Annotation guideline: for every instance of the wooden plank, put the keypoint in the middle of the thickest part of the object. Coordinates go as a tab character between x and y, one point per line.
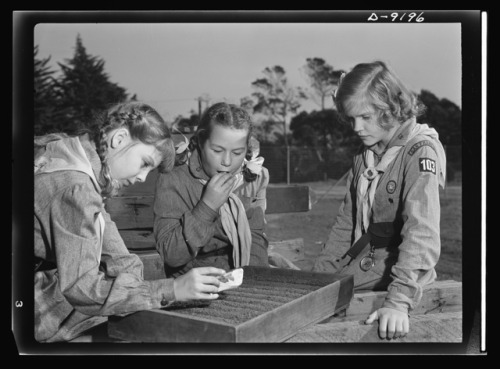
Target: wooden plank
133	208
282	253
281	198
438	297
132	212
156	325
330	293
142	243
426	328
136	212
143	239
153	265
138	239
288	199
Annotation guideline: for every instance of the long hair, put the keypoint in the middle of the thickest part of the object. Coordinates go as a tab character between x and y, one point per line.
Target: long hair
143	123
376	84
225	115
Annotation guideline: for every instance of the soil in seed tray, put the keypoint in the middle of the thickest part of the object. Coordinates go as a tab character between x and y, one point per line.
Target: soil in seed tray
257	295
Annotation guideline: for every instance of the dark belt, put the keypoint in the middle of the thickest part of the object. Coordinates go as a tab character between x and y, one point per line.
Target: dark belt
379	235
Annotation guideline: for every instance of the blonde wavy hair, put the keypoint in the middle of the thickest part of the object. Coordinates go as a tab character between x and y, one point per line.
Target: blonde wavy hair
377	85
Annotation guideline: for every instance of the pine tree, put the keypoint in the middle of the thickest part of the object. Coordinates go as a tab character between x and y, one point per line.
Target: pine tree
48	115
84	87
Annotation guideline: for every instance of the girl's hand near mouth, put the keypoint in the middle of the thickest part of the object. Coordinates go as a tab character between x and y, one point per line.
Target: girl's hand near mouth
218	189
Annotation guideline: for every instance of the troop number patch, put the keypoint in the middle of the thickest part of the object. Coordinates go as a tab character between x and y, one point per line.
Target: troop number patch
427	165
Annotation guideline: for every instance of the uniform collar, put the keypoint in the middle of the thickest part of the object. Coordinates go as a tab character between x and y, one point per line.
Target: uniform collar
196	167
91	152
401	135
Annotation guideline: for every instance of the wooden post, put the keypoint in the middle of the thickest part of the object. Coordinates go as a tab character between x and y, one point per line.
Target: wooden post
287	153
287	164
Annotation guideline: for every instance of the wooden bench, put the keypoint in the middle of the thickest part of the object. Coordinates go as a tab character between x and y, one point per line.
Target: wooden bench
438	318
132	212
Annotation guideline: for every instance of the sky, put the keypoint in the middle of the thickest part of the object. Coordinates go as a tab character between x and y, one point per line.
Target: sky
169	65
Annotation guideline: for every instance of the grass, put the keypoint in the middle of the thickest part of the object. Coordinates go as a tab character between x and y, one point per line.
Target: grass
314	226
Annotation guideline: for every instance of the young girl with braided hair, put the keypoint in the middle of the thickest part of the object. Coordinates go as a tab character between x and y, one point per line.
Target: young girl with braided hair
83	270
210	210
387	230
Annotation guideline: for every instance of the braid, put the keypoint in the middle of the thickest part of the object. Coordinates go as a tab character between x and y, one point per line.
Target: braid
105	179
107	122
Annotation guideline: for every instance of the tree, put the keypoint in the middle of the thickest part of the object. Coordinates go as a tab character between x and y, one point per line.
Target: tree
85	88
322	78
323	129
277	99
48	115
444	116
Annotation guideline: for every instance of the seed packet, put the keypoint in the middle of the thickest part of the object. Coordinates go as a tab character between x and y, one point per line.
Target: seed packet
231	279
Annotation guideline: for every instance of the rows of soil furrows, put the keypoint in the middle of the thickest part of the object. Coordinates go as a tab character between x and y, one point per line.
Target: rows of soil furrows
257	295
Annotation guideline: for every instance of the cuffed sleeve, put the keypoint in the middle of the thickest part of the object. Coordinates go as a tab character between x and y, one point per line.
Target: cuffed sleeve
204	212
162	292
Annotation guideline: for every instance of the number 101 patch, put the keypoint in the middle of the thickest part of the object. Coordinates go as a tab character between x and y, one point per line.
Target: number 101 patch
427	165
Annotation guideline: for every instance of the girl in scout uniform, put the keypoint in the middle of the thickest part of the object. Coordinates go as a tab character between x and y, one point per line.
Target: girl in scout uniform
83	270
210	210
387	230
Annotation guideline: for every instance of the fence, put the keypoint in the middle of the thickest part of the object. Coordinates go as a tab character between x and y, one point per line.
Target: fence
309	164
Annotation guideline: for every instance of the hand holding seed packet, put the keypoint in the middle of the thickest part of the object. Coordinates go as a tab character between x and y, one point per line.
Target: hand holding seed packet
231	279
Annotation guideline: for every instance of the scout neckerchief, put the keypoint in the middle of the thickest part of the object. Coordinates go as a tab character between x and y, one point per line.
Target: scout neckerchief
368	180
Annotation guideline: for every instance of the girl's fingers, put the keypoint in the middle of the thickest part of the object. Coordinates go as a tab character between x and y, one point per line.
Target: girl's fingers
207	280
406	327
399	329
382	328
373	316
391	328
221	178
228	182
207	292
210	296
208	288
